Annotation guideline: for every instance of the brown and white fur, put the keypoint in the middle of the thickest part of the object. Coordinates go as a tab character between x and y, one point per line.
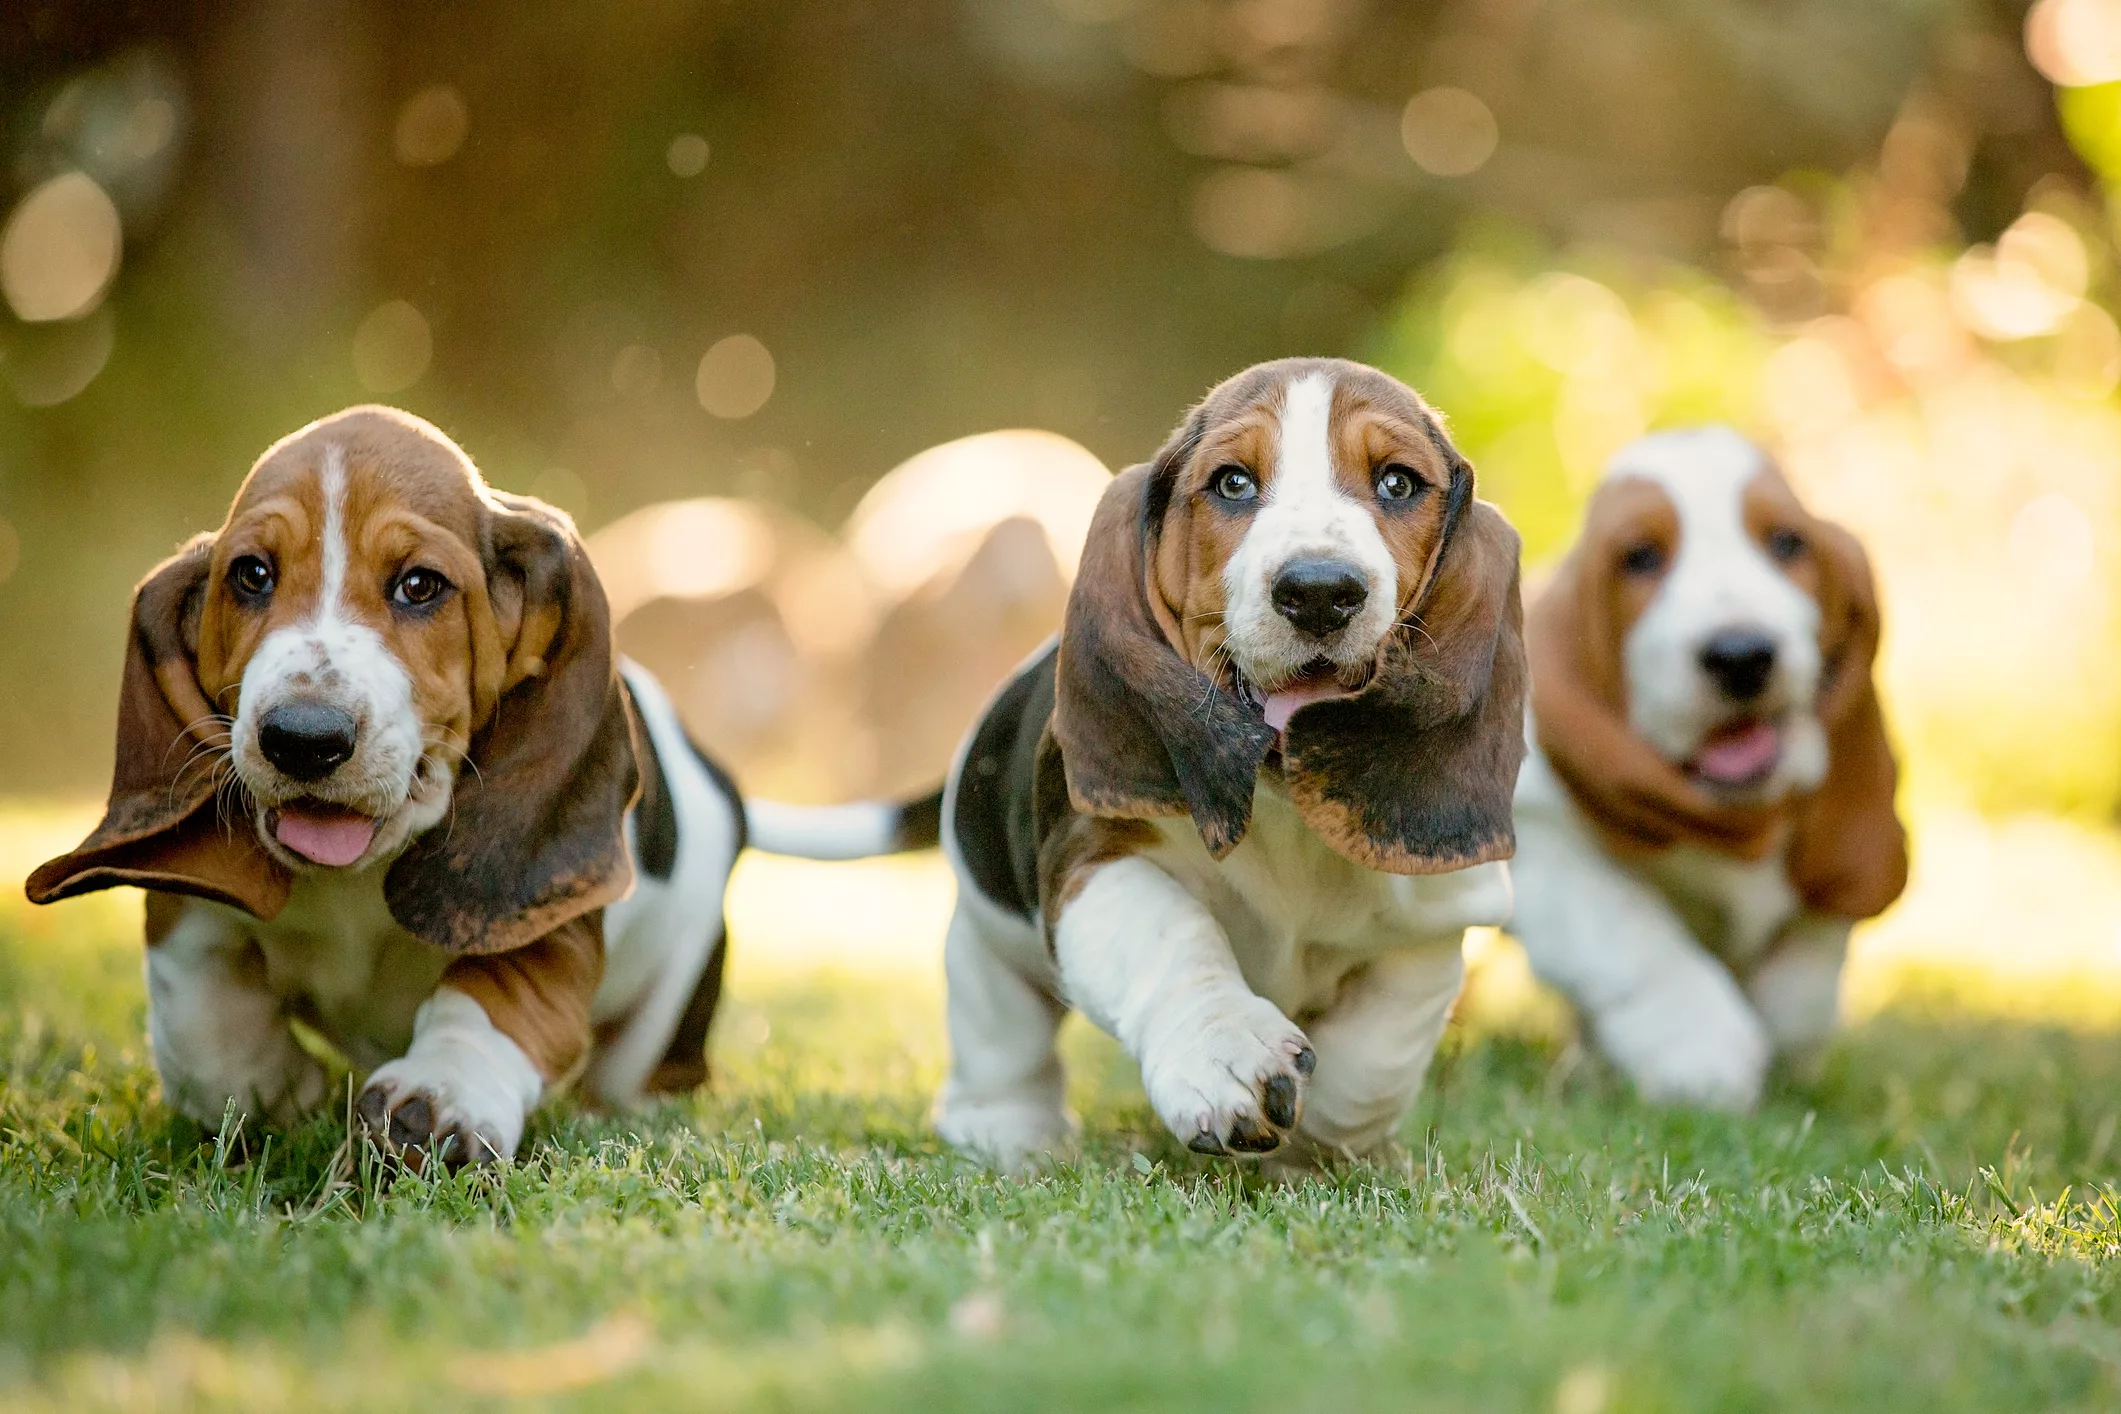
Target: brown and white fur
381	772
1242	812
1708	803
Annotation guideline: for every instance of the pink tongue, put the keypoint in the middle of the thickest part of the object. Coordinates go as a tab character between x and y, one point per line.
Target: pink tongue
1738	756
336	838
1282	705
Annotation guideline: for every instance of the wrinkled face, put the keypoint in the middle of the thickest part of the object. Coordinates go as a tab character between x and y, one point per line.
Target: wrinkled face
337	627
1302	525
1715	587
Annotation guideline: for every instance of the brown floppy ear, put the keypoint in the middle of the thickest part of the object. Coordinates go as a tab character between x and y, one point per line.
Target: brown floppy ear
1142	732
1848	856
160	829
536	833
1636	799
1414	774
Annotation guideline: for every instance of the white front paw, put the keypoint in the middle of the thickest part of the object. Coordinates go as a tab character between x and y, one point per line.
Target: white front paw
461	1094
1229	1078
414	1109
1701	1048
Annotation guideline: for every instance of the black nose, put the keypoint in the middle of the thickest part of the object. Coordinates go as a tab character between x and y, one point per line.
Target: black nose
1319	596
306	740
1740	660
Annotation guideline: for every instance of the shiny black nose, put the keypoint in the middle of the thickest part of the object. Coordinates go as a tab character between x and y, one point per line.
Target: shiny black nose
1740	660
1319	596
306	740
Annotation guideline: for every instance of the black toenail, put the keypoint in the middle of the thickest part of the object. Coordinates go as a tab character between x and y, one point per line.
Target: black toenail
1205	1142
1306	1062
413	1123
1281	1101
374	1111
1249	1136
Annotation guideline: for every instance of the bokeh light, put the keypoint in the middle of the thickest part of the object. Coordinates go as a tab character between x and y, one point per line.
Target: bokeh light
687	155
59	250
392	347
431	126
735	377
1448	132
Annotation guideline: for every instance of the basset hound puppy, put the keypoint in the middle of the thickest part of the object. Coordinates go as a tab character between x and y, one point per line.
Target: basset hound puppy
381	773
1708	803
1242	812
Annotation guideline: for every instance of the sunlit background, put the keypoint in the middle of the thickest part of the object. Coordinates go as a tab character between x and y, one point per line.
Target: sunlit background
827	319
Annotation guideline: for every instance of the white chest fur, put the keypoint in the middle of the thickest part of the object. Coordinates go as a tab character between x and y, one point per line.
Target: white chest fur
341	961
1300	917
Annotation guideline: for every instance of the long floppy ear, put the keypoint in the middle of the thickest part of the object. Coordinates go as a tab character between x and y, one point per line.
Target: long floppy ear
161	829
1414	774
1849	853
1142	732
1637	800
536	833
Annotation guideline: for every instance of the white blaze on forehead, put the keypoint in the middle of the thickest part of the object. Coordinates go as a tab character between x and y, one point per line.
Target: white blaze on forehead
1305	513
1719	579
333	479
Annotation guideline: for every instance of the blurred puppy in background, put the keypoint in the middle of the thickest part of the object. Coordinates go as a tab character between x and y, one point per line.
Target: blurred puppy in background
382	773
1708	803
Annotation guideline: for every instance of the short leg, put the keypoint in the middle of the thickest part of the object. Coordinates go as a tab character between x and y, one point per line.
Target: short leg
1797	988
1003	1099
219	1032
498	1035
1144	959
1668	1014
1374	1046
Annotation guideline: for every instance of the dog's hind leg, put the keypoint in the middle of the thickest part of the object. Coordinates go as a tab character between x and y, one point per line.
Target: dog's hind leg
1004	1098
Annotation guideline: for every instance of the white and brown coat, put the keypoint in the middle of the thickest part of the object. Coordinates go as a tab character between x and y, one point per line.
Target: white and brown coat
1242	812
1708	804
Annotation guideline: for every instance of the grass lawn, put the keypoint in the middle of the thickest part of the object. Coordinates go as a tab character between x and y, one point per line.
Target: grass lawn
1928	1227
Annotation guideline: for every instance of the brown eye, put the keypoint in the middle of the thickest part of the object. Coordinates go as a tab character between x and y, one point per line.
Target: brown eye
1395	483
1643	560
251	577
418	588
1785	546
1234	483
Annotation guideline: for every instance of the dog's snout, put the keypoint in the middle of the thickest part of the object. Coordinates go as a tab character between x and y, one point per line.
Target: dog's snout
1740	661
1319	596
307	741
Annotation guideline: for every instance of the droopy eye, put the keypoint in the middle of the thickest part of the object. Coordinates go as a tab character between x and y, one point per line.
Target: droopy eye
250	576
1785	546
417	587
1395	483
1234	483
1643	559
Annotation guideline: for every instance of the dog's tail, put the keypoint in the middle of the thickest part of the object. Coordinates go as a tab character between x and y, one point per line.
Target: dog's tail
858	831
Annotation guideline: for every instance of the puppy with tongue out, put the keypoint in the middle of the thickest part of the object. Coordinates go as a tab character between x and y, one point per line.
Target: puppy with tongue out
1243	812
376	761
1708	805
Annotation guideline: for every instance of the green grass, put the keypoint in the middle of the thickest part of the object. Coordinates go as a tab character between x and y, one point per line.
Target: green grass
1928	1227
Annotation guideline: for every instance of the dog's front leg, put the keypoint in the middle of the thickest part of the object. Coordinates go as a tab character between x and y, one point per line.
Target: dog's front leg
1666	1012
1797	988
1146	961
1375	1043
218	1030
499	1034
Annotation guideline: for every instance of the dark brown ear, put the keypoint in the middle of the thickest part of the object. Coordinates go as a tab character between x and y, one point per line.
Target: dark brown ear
1142	732
1414	774
1849	853
161	829
536	833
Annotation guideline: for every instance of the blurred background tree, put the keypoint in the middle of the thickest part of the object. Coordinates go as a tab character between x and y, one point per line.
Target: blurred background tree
670	249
